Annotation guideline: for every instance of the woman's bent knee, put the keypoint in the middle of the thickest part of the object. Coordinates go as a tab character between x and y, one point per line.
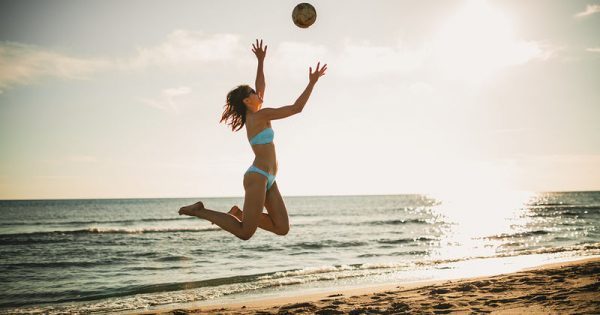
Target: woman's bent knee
246	234
245	237
283	231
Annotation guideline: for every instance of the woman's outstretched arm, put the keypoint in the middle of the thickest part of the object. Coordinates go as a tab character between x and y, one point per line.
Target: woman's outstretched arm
286	111
260	53
313	77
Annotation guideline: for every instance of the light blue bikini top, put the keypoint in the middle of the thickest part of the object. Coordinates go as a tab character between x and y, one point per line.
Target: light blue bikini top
263	137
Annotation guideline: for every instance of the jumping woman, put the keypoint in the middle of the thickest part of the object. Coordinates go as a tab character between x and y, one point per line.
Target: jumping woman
244	108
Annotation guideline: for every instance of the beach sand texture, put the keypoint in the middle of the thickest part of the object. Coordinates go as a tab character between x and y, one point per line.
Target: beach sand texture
565	288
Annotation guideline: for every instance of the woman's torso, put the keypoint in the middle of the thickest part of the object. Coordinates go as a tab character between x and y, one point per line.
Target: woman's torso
264	154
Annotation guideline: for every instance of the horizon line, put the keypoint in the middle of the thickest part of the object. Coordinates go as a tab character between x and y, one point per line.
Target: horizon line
294	196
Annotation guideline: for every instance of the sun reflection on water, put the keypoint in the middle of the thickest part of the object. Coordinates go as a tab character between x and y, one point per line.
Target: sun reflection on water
474	221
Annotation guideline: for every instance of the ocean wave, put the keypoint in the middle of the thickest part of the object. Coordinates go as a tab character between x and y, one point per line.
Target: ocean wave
586	249
553	214
548	204
516	235
27	239
592	248
397	222
326	272
173	258
306	271
263	248
66	223
140	296
562	207
411	253
405	240
61	264
104	230
561	214
367	255
327	243
82	295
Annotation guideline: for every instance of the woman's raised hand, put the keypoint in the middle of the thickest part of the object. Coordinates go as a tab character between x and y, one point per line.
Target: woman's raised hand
313	77
258	50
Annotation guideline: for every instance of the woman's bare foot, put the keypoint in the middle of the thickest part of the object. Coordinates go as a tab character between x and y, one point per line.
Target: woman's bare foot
192	210
236	212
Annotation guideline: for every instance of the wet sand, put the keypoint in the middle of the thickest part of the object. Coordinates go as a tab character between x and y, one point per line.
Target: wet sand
563	288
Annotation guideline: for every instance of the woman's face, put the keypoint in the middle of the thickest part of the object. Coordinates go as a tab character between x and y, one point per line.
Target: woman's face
253	101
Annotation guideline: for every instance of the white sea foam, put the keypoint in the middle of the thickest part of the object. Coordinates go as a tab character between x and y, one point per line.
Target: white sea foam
138	230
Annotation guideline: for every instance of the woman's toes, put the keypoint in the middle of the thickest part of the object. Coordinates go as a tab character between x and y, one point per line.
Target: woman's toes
192	209
185	210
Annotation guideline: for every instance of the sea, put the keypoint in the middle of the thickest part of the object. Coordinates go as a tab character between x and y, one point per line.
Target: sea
132	255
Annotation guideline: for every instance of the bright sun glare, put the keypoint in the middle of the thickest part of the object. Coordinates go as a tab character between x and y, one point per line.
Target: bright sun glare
477	41
479	213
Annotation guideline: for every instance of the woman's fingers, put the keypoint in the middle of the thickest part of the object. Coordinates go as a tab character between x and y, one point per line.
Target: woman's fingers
320	69
257	47
324	68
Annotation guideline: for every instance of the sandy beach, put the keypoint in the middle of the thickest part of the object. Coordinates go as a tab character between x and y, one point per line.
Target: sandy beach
562	288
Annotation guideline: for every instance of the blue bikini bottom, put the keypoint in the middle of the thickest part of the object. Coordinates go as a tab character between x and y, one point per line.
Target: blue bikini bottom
270	178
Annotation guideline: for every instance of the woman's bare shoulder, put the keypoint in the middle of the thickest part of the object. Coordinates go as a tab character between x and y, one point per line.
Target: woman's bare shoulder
258	119
255	123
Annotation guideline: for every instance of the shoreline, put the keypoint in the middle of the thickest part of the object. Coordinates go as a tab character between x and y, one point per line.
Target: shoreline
563	287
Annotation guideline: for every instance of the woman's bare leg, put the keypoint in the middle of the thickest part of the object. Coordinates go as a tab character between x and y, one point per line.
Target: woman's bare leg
254	200
223	220
276	221
277	211
264	221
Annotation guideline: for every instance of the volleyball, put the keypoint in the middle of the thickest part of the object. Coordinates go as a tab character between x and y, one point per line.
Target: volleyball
304	15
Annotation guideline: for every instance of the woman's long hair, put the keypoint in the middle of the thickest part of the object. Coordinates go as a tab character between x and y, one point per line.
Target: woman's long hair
235	110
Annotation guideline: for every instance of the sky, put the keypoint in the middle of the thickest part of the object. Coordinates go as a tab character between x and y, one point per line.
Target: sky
122	99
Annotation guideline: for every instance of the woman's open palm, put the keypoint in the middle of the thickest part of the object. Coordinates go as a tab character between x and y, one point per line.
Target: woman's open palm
258	50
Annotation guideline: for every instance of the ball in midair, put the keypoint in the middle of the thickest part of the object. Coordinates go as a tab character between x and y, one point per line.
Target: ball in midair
304	15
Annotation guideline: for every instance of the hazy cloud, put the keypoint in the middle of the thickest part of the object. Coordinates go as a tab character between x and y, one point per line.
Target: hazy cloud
593	49
25	64
185	47
177	91
166	101
589	10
